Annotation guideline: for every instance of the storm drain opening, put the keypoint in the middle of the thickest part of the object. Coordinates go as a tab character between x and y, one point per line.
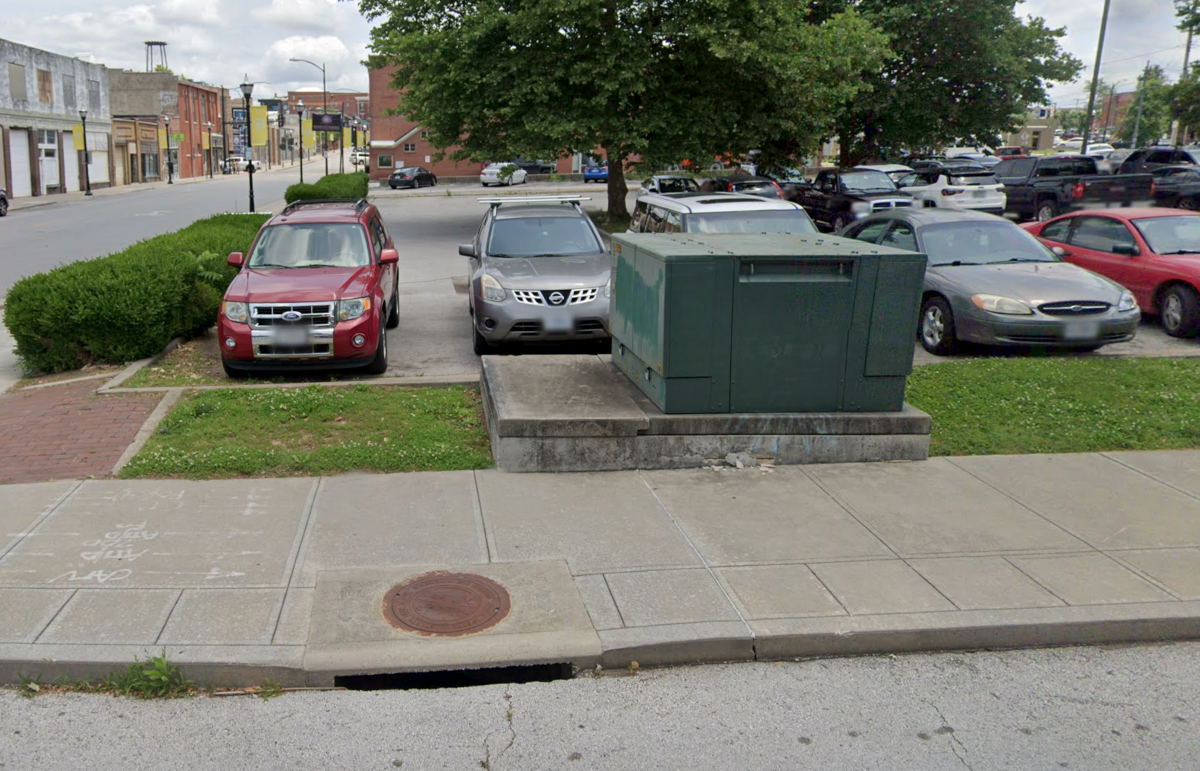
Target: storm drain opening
456	678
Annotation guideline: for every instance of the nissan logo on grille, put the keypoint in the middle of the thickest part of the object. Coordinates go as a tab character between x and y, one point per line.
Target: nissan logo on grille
292	316
556	298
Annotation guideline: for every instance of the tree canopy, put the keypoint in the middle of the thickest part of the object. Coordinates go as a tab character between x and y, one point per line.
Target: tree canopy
663	80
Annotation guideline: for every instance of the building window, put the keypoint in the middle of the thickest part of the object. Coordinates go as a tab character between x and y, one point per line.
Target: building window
93	95
385	161
16	82
69	92
45	86
410	147
424	135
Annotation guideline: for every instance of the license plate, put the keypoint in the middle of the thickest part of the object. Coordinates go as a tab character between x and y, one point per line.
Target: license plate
1081	330
291	336
979	193
555	324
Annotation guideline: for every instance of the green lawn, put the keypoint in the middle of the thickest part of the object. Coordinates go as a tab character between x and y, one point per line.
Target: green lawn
316	430
1037	405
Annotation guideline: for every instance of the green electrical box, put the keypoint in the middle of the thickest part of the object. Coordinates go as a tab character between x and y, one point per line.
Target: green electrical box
764	323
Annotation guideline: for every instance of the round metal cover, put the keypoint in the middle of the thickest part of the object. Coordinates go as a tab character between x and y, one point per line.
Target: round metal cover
446	604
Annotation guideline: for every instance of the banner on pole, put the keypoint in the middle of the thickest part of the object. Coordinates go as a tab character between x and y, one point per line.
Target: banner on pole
258	125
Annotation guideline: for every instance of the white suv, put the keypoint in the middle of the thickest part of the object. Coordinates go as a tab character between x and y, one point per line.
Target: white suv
717	213
956	188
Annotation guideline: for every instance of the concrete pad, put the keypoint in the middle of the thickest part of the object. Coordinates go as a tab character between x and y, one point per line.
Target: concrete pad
675	644
1176	569
223	617
547	623
1089	579
165	533
596	522
372	520
28	611
294	619
598	600
1178	468
658	597
112	617
558	396
779	591
983	583
882	586
1095	498
750	517
937	508
23	504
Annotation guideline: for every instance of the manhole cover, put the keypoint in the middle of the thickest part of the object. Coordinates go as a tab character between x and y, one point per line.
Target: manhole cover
446	604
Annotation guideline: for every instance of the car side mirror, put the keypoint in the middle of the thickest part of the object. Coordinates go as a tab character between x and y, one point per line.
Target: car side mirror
1058	250
389	257
466	250
235	259
1129	250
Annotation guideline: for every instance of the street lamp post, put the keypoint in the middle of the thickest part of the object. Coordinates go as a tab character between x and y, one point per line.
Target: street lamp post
247	88
170	163
87	177
300	105
324	109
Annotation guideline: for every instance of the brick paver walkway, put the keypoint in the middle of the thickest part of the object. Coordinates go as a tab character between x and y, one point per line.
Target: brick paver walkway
67	432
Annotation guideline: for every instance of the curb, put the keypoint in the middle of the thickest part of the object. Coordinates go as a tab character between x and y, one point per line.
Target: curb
147	430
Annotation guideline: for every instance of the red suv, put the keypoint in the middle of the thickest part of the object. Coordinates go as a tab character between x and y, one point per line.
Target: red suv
317	292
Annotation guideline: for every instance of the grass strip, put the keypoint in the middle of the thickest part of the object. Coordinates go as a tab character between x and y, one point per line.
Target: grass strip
316	430
1049	405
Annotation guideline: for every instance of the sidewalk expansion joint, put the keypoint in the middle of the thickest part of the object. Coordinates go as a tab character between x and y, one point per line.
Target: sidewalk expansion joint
42	518
1150	476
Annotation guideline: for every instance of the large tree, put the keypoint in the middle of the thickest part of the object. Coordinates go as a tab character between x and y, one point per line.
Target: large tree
962	69
1150	113
662	80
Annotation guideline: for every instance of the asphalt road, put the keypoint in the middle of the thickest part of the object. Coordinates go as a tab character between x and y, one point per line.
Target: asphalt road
1098	708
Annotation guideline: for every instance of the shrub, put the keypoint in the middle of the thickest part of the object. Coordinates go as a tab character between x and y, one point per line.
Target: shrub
130	304
353	185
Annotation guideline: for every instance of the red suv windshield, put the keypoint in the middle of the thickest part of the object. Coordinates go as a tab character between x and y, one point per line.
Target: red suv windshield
311	245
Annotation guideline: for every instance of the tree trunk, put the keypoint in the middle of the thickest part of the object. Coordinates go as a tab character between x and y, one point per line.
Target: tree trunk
617	188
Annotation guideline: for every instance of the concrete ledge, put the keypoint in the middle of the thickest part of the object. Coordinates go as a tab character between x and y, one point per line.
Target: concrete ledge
672	644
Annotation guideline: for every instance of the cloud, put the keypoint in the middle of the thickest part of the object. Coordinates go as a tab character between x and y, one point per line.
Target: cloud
191	13
300	15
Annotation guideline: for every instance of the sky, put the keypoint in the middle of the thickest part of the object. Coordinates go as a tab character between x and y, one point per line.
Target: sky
221	41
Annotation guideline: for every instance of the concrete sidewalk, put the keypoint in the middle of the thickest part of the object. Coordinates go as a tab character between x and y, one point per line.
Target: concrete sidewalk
245	580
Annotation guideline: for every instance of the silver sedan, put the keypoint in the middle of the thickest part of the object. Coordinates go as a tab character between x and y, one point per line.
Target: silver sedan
990	282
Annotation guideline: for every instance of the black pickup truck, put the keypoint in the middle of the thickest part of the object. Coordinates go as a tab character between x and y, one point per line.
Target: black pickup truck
838	197
1041	188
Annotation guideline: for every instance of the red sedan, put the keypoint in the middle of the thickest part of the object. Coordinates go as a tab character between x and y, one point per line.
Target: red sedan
1154	253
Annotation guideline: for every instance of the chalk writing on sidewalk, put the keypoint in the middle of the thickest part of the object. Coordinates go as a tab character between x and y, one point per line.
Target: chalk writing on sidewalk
95	576
119	544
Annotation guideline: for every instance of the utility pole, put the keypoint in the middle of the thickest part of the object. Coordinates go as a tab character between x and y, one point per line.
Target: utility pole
1137	121
1087	129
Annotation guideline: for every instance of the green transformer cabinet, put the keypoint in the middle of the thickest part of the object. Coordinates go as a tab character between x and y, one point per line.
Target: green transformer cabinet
764	323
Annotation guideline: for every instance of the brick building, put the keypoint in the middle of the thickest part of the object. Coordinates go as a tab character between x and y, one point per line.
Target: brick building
190	111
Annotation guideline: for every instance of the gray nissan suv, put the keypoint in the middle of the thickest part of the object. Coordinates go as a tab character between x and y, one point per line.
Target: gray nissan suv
539	273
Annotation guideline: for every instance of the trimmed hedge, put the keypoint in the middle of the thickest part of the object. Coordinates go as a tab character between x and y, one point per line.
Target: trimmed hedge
130	304
353	185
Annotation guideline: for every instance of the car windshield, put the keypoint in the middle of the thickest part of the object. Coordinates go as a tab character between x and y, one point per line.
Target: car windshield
542	237
1171	235
981	243
311	245
867	182
776	221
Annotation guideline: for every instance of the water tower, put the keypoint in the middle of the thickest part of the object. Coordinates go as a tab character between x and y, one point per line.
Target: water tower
156	49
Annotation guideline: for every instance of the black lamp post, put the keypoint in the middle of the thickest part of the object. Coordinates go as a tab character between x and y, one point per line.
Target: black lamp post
170	163
300	105
324	109
247	88
87	177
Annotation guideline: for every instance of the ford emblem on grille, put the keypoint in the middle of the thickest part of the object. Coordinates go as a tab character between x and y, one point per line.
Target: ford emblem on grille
292	315
556	298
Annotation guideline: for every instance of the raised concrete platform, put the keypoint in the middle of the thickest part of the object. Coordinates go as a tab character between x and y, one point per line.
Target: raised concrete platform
579	413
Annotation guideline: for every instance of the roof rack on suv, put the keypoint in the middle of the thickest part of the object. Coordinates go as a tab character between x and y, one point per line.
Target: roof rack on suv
571	199
359	203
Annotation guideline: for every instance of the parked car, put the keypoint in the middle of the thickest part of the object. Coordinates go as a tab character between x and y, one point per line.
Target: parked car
412	176
1072	145
759	186
989	282
317	291
1042	187
534	167
3	202
596	173
893	170
496	174
955	188
1099	149
984	160
702	212
961	162
1113	160
839	196
1013	151
539	272
1155	253
1150	158
359	157
790	181
668	183
241	164
1177	186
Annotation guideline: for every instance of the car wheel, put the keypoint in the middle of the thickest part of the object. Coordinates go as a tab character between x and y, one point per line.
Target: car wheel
1180	311
937	327
230	372
433	182
479	344
392	186
1046	209
839	222
484	184
3	206
1191	204
379	364
393	319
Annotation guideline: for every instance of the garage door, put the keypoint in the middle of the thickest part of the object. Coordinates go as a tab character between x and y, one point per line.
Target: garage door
18	151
